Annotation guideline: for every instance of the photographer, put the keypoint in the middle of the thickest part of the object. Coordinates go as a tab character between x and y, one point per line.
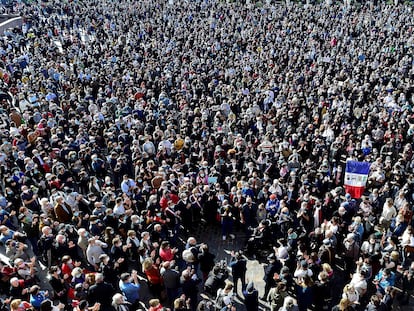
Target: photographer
216	278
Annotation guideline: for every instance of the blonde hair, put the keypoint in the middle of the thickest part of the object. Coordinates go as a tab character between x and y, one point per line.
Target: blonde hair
14	305
179	303
327	267
344	304
147	264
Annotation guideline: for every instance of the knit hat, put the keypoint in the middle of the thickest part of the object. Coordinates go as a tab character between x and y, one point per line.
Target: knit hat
250	287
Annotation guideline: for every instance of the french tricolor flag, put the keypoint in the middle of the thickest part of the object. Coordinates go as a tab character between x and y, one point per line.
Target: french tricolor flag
356	176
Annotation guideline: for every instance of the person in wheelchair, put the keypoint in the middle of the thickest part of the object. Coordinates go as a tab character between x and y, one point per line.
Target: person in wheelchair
260	239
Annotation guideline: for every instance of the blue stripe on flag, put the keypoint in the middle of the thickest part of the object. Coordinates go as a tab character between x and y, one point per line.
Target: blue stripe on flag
357	167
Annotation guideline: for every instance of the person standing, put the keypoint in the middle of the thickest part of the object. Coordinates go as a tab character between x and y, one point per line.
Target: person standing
94	251
248	214
206	260
101	292
276	296
351	253
63	211
238	267
251	298
273	267
129	286
171	280
227	219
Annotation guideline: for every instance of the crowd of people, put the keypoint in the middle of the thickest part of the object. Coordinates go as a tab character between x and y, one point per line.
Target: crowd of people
131	124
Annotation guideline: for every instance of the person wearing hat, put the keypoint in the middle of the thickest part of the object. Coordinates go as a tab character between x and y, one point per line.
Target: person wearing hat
326	252
251	297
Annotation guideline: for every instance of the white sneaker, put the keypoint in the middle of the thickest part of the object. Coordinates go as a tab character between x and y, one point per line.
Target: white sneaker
224	237
232	236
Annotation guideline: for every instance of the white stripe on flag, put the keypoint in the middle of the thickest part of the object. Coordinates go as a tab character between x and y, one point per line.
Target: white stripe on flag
355	180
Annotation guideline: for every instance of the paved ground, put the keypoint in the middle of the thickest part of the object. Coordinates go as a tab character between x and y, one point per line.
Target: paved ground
212	236
255	270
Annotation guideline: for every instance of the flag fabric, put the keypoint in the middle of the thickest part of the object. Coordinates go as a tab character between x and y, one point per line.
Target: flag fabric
356	176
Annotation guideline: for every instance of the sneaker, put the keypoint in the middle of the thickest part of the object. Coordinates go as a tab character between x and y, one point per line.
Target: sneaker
232	236
224	237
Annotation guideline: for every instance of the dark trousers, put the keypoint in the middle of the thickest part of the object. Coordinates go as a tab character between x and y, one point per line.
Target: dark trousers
236	279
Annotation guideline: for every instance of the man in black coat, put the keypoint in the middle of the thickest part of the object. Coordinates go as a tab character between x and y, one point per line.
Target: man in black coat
273	267
101	292
238	269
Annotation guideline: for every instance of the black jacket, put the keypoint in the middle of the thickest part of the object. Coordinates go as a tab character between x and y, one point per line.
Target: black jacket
102	293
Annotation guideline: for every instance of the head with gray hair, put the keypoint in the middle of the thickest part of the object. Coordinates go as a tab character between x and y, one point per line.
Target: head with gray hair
117	299
99	278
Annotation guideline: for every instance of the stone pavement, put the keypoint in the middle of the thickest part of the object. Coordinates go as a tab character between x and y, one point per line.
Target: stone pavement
255	270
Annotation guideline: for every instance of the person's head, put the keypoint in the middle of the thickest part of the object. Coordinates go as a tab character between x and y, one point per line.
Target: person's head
34	290
179	303
228	287
132	234
386	273
344	304
191	241
46	305
99	278
145	235
83	305
66	259
54	270
250	287
118	299
289	303
19	263
375	300
165	244
4	230
117	242
281	286
125	277
147	264
14	282
154	303
323	276
76	272
18	305
157	227
349	288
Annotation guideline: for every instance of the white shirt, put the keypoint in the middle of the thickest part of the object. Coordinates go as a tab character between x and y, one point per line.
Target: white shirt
300	273
119	210
388	212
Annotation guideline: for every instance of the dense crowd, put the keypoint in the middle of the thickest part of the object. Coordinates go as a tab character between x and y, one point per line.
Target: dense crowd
135	123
